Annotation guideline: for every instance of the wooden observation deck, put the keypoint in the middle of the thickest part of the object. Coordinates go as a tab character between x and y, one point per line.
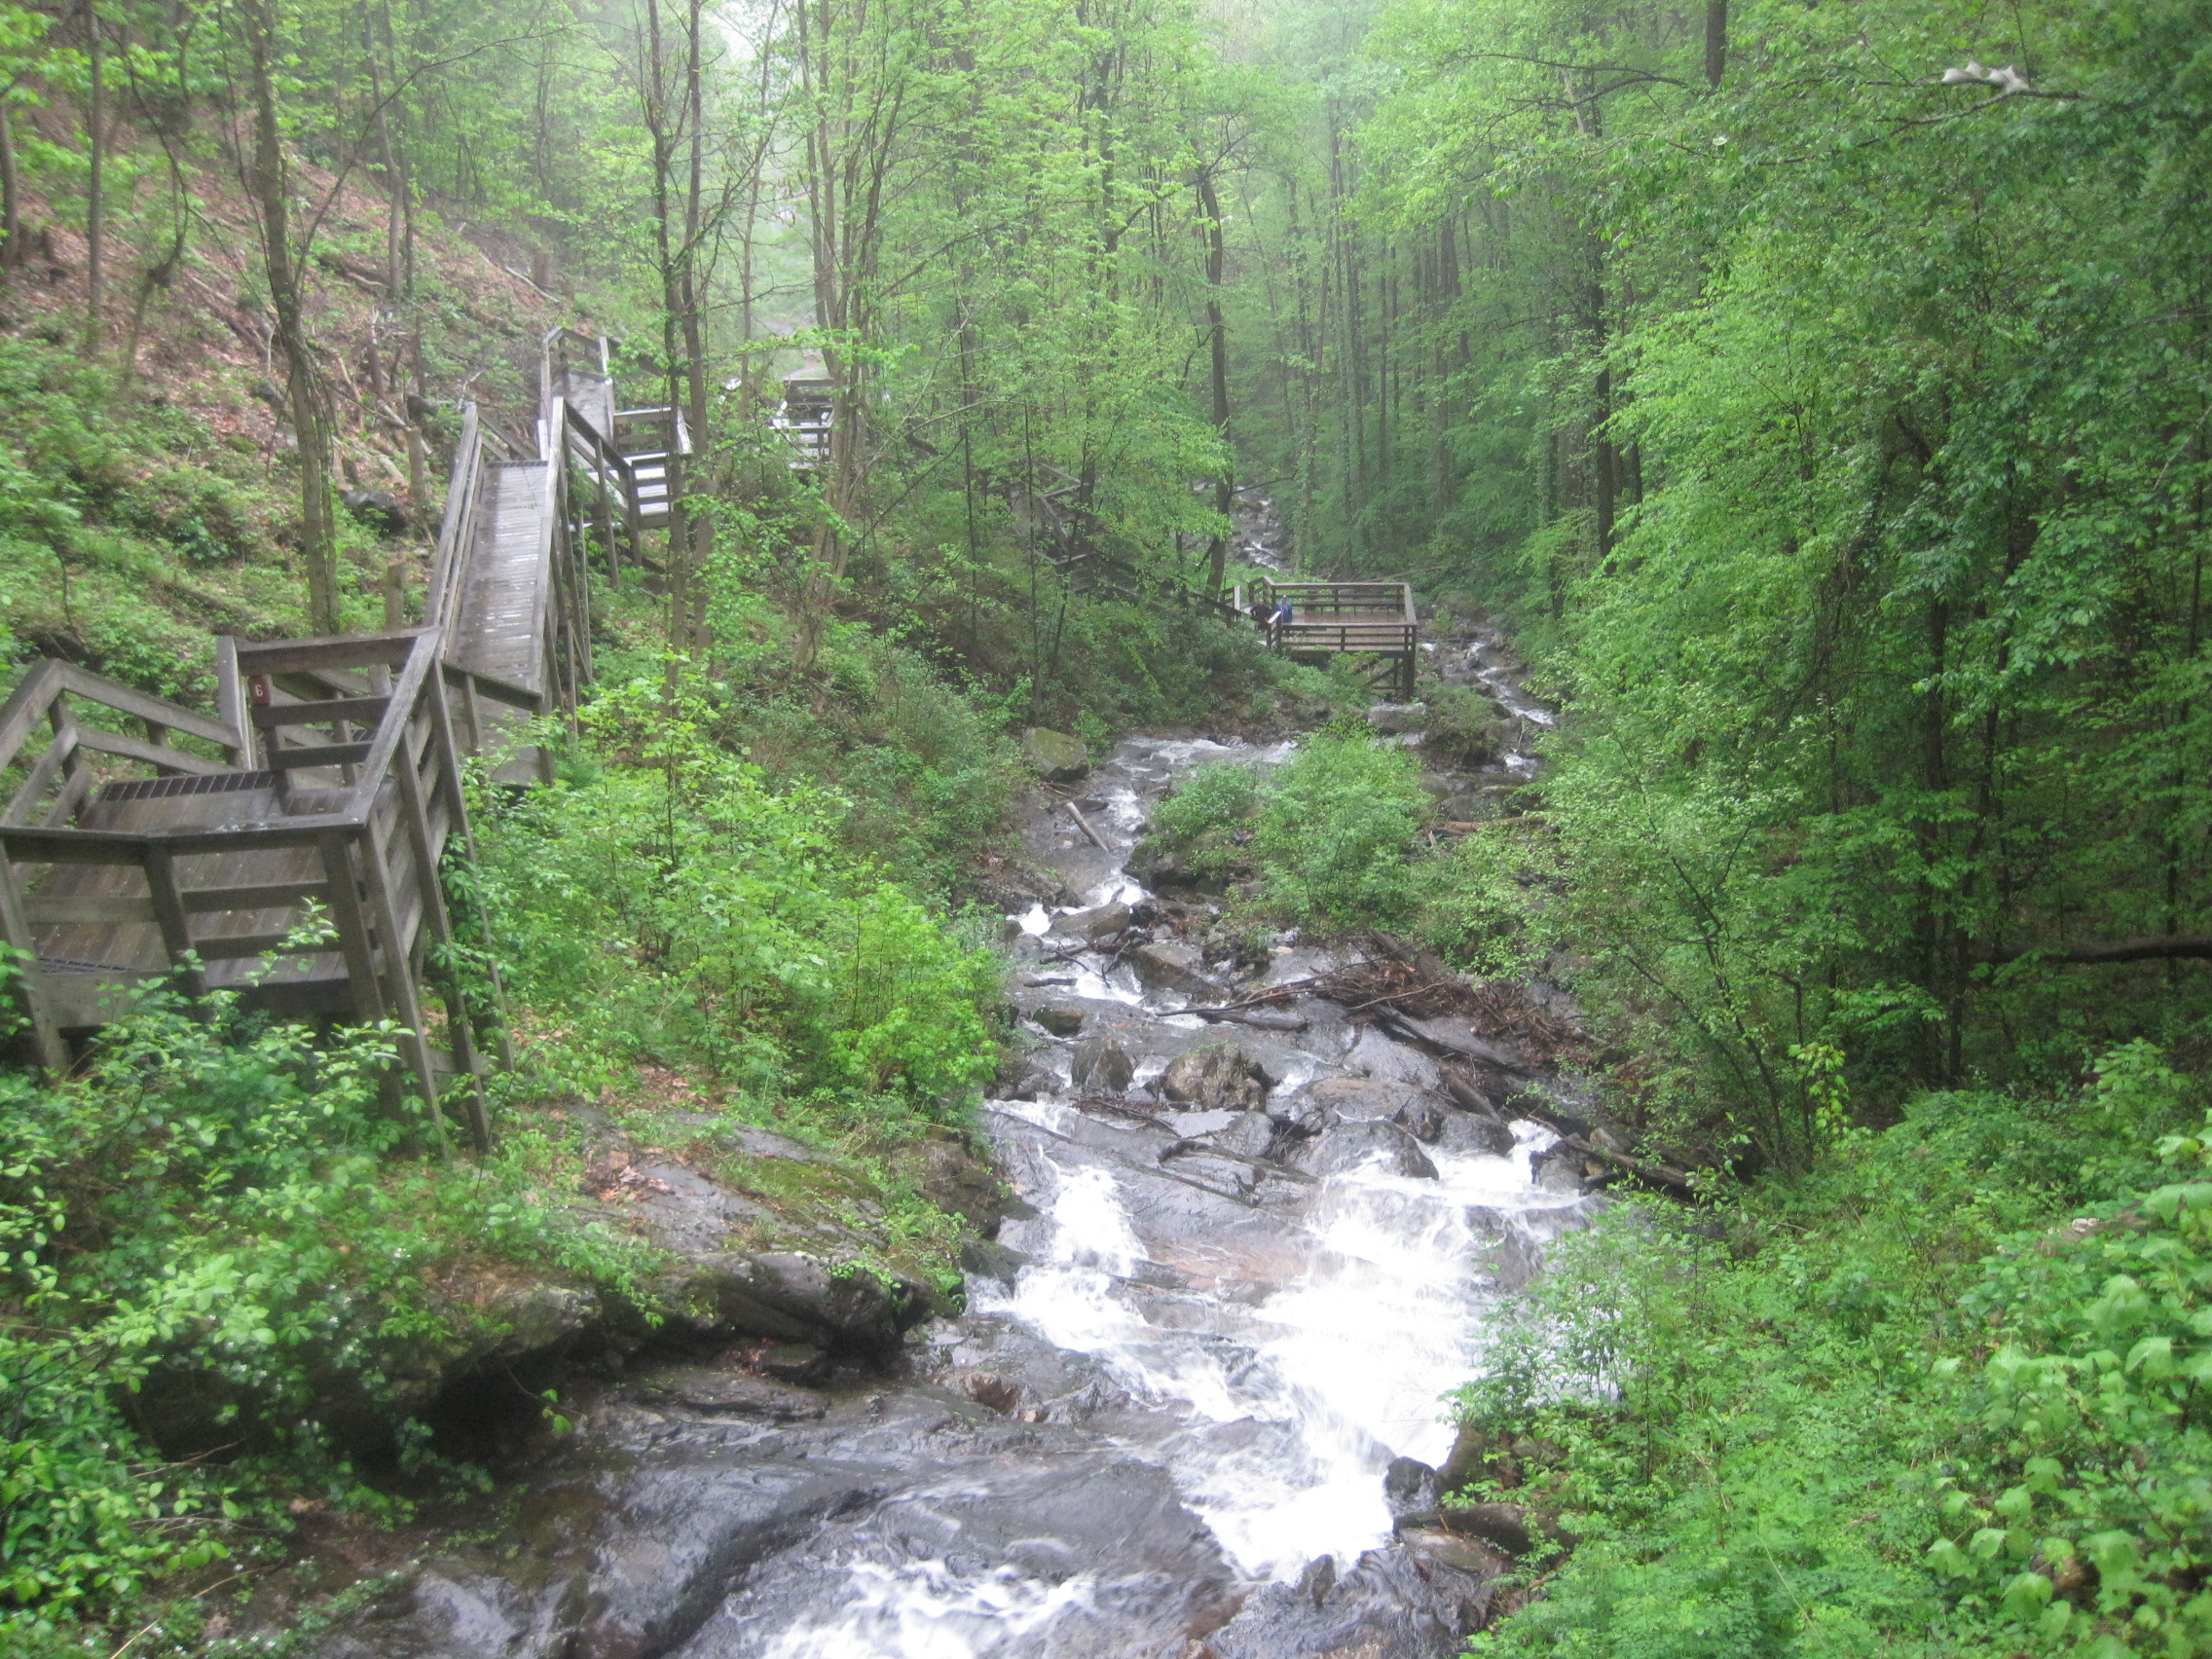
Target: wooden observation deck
1371	621
288	849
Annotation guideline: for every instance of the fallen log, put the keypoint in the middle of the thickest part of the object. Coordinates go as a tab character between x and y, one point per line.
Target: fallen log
2160	947
1438	1037
1675	1183
1084	824
1259	1018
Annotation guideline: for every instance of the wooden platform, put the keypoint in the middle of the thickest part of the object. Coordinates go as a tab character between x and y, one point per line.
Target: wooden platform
298	871
1356	620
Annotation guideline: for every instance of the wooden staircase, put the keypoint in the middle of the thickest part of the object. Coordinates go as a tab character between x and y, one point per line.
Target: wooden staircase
289	850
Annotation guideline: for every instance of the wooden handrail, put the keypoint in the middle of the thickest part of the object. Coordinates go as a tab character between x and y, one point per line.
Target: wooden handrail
453	524
30	699
599	445
393	727
333	650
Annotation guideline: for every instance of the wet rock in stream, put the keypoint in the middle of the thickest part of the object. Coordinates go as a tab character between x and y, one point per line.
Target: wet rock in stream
1175	966
1103	1067
1393	1603
1221	1075
1348	1146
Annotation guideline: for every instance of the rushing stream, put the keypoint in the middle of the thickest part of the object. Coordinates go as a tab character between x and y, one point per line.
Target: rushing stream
1194	1406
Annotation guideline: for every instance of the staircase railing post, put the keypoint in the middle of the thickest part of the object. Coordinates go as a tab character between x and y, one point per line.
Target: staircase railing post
46	1036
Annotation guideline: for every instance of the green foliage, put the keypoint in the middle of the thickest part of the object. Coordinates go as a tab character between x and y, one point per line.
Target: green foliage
1329	834
1820	430
1908	1404
669	904
206	1241
1464	726
925	772
1483	897
1208	818
122	526
1335	829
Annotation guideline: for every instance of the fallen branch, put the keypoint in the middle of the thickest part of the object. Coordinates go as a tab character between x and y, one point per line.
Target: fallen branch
1675	1183
1084	824
1256	1018
2161	947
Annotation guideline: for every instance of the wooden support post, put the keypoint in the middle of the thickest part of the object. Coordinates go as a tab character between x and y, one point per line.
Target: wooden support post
607	522
449	777
440	926
471	707
170	917
353	924
395	597
46	1038
383	909
230	700
76	780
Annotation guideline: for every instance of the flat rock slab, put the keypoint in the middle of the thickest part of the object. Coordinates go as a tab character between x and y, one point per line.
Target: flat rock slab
1348	1146
718	1391
1394	1604
1171	965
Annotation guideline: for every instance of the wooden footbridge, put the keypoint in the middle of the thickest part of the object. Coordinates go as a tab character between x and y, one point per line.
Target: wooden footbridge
288	849
1373	622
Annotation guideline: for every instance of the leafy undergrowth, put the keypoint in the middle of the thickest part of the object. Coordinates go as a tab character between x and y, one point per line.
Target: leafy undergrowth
665	903
145	503
219	1270
226	1274
1944	1396
1333	841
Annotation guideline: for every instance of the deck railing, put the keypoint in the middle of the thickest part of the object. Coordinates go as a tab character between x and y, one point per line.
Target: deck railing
289	849
1369	619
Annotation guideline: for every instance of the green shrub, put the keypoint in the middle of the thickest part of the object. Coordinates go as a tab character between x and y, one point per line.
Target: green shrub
1208	820
1464	727
667	904
222	1204
1907	1405
1336	829
1481	897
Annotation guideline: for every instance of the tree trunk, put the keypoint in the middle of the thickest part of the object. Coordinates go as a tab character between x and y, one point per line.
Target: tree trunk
270	185
10	194
1217	347
1715	42
96	196
698	523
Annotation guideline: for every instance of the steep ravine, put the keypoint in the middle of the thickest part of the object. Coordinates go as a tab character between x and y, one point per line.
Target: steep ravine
1192	1407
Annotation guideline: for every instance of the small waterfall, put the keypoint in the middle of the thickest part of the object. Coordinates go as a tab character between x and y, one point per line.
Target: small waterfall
1335	1362
1206	1330
930	1609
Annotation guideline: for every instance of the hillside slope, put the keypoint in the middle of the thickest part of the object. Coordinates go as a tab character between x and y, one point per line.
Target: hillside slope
149	494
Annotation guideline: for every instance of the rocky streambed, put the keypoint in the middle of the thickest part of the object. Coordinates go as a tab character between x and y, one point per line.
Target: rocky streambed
1193	1406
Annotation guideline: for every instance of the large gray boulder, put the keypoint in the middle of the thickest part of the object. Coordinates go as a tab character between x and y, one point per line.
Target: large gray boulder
1249	1134
1221	1077
1090	926
1348	1146
1394	1604
1102	1066
1171	965
1396	718
793	1297
1473	1133
1055	757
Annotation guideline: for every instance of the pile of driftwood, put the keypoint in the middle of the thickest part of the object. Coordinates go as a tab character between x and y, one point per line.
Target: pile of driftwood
1492	1039
1394	980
